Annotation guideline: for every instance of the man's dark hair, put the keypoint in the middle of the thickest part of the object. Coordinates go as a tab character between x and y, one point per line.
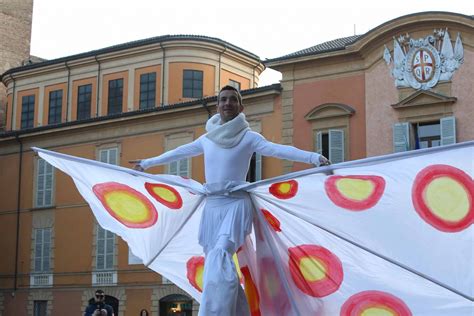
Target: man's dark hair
227	87
99	291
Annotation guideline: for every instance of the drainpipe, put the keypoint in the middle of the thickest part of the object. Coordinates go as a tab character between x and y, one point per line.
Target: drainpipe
163	79
15	286
13	103
68	85
98	87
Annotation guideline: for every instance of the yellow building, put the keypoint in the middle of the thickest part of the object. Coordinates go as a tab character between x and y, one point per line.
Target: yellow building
128	101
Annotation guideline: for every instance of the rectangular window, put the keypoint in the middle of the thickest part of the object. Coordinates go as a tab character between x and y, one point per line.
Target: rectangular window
109	155
40	308
42	250
55	106
192	83
147	90
84	101
27	111
331	144
234	84
179	168
105	249
418	135
115	100
44	184
427	134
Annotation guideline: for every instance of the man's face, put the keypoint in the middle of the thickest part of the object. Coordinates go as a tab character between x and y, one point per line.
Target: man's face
228	105
99	297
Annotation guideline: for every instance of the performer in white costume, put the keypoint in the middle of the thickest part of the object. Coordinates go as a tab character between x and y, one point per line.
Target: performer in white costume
228	147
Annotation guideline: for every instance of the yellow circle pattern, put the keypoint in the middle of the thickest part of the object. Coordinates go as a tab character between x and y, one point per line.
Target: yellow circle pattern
127	206
355	189
447	199
312	269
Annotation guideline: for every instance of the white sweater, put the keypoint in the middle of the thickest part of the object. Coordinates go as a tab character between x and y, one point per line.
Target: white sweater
231	164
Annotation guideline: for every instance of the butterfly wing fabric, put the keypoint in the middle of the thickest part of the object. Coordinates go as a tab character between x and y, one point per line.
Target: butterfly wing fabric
387	235
158	216
394	234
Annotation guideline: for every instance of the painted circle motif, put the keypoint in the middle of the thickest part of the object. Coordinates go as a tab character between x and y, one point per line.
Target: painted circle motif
284	190
374	303
195	271
443	197
355	192
315	270
251	292
272	291
271	220
165	194
423	65
125	204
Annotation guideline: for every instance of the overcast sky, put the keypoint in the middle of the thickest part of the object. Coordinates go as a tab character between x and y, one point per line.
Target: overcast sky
266	28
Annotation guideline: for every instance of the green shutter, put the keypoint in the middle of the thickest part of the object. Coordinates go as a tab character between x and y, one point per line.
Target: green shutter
448	130
336	145
401	137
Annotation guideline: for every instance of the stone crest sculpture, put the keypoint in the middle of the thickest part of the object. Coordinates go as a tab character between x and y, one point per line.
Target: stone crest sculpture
422	63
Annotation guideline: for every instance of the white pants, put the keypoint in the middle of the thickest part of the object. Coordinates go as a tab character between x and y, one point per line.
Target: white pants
222	294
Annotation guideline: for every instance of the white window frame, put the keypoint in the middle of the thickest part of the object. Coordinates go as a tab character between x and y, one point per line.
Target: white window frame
109	155
332	150
44	171
174	168
39	254
108	236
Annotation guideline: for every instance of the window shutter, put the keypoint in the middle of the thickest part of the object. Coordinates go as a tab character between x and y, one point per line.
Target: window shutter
448	130
319	143
401	137
258	167
184	167
173	168
336	145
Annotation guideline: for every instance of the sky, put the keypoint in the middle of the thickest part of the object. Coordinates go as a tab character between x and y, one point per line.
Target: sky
266	28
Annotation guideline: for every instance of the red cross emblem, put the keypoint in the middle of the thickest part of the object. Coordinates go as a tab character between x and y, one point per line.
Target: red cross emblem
423	65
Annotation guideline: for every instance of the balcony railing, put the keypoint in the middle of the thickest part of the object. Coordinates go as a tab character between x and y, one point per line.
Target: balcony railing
41	280
104	277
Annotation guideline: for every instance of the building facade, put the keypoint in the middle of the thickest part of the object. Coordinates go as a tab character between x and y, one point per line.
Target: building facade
129	101
404	85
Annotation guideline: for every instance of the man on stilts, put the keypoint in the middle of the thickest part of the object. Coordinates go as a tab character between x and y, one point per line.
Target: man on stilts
227	217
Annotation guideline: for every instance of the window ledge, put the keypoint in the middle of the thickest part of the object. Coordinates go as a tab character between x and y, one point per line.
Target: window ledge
41	279
104	277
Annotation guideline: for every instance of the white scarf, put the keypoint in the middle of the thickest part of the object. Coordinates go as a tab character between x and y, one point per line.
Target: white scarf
230	133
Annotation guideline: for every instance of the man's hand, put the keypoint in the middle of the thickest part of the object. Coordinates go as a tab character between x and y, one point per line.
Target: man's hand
137	164
323	161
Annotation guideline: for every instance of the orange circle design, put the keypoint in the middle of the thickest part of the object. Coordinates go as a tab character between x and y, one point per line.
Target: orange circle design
274	297
125	204
165	194
251	292
195	271
374	187
284	190
429	178
272	220
315	270
369	302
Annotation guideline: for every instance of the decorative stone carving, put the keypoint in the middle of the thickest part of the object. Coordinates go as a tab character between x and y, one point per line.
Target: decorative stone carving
421	63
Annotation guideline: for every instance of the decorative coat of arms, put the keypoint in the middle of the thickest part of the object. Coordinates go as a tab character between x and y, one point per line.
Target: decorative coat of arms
421	63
